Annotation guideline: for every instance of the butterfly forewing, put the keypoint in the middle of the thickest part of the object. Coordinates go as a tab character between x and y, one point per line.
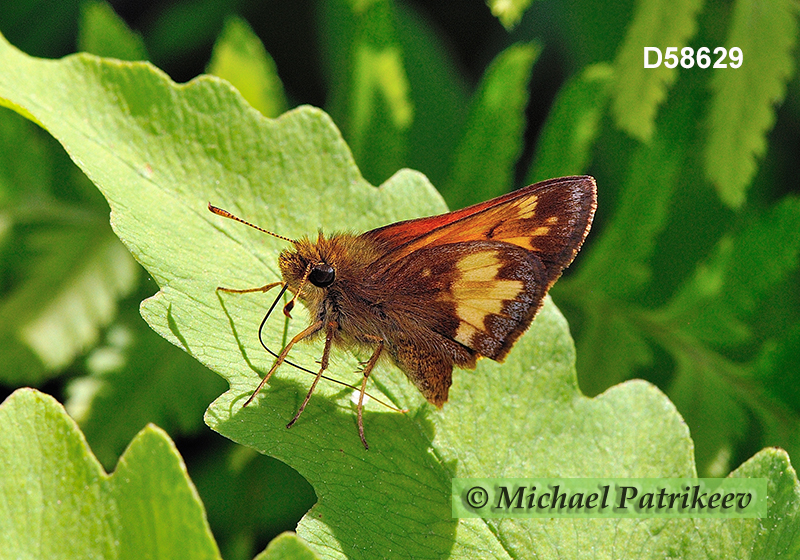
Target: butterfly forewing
550	218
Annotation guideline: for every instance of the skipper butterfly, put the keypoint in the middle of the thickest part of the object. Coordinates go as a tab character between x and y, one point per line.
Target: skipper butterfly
436	292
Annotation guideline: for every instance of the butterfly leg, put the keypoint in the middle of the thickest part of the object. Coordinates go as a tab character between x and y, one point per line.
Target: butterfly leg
323	365
282	356
367	370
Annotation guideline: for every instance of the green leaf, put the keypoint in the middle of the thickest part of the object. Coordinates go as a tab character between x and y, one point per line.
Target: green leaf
239	57
547	429
59	503
743	108
703	391
26	165
136	377
638	91
100	272
509	12
158	152
618	265
614	275
777	535
104	33
769	245
287	546
776	367
721	403
710	311
484	162
698	307
565	143
775	370
742	271
437	92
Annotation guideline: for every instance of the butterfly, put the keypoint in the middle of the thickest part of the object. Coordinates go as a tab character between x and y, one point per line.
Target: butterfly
434	293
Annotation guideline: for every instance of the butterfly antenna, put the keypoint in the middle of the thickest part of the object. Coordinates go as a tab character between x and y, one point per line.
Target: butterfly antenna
226	214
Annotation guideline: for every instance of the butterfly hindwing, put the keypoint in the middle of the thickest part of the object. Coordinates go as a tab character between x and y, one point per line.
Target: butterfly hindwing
468	299
480	294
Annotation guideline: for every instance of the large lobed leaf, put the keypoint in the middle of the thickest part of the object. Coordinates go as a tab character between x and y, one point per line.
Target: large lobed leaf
160	151
58	502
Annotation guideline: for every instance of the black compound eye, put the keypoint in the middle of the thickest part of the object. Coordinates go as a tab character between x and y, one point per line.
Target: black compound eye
322	275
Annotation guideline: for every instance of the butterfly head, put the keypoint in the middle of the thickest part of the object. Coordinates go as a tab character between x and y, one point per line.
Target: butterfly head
310	268
326	267
304	263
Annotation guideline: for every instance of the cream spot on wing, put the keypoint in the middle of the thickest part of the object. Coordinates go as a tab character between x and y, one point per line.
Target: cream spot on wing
551	220
481	267
497	290
472	315
483	306
465	333
526	207
541	230
478	293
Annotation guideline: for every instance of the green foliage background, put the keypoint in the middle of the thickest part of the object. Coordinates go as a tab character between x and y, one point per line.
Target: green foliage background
689	278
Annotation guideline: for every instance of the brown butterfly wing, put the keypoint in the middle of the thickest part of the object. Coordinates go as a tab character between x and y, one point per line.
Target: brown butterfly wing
471	281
